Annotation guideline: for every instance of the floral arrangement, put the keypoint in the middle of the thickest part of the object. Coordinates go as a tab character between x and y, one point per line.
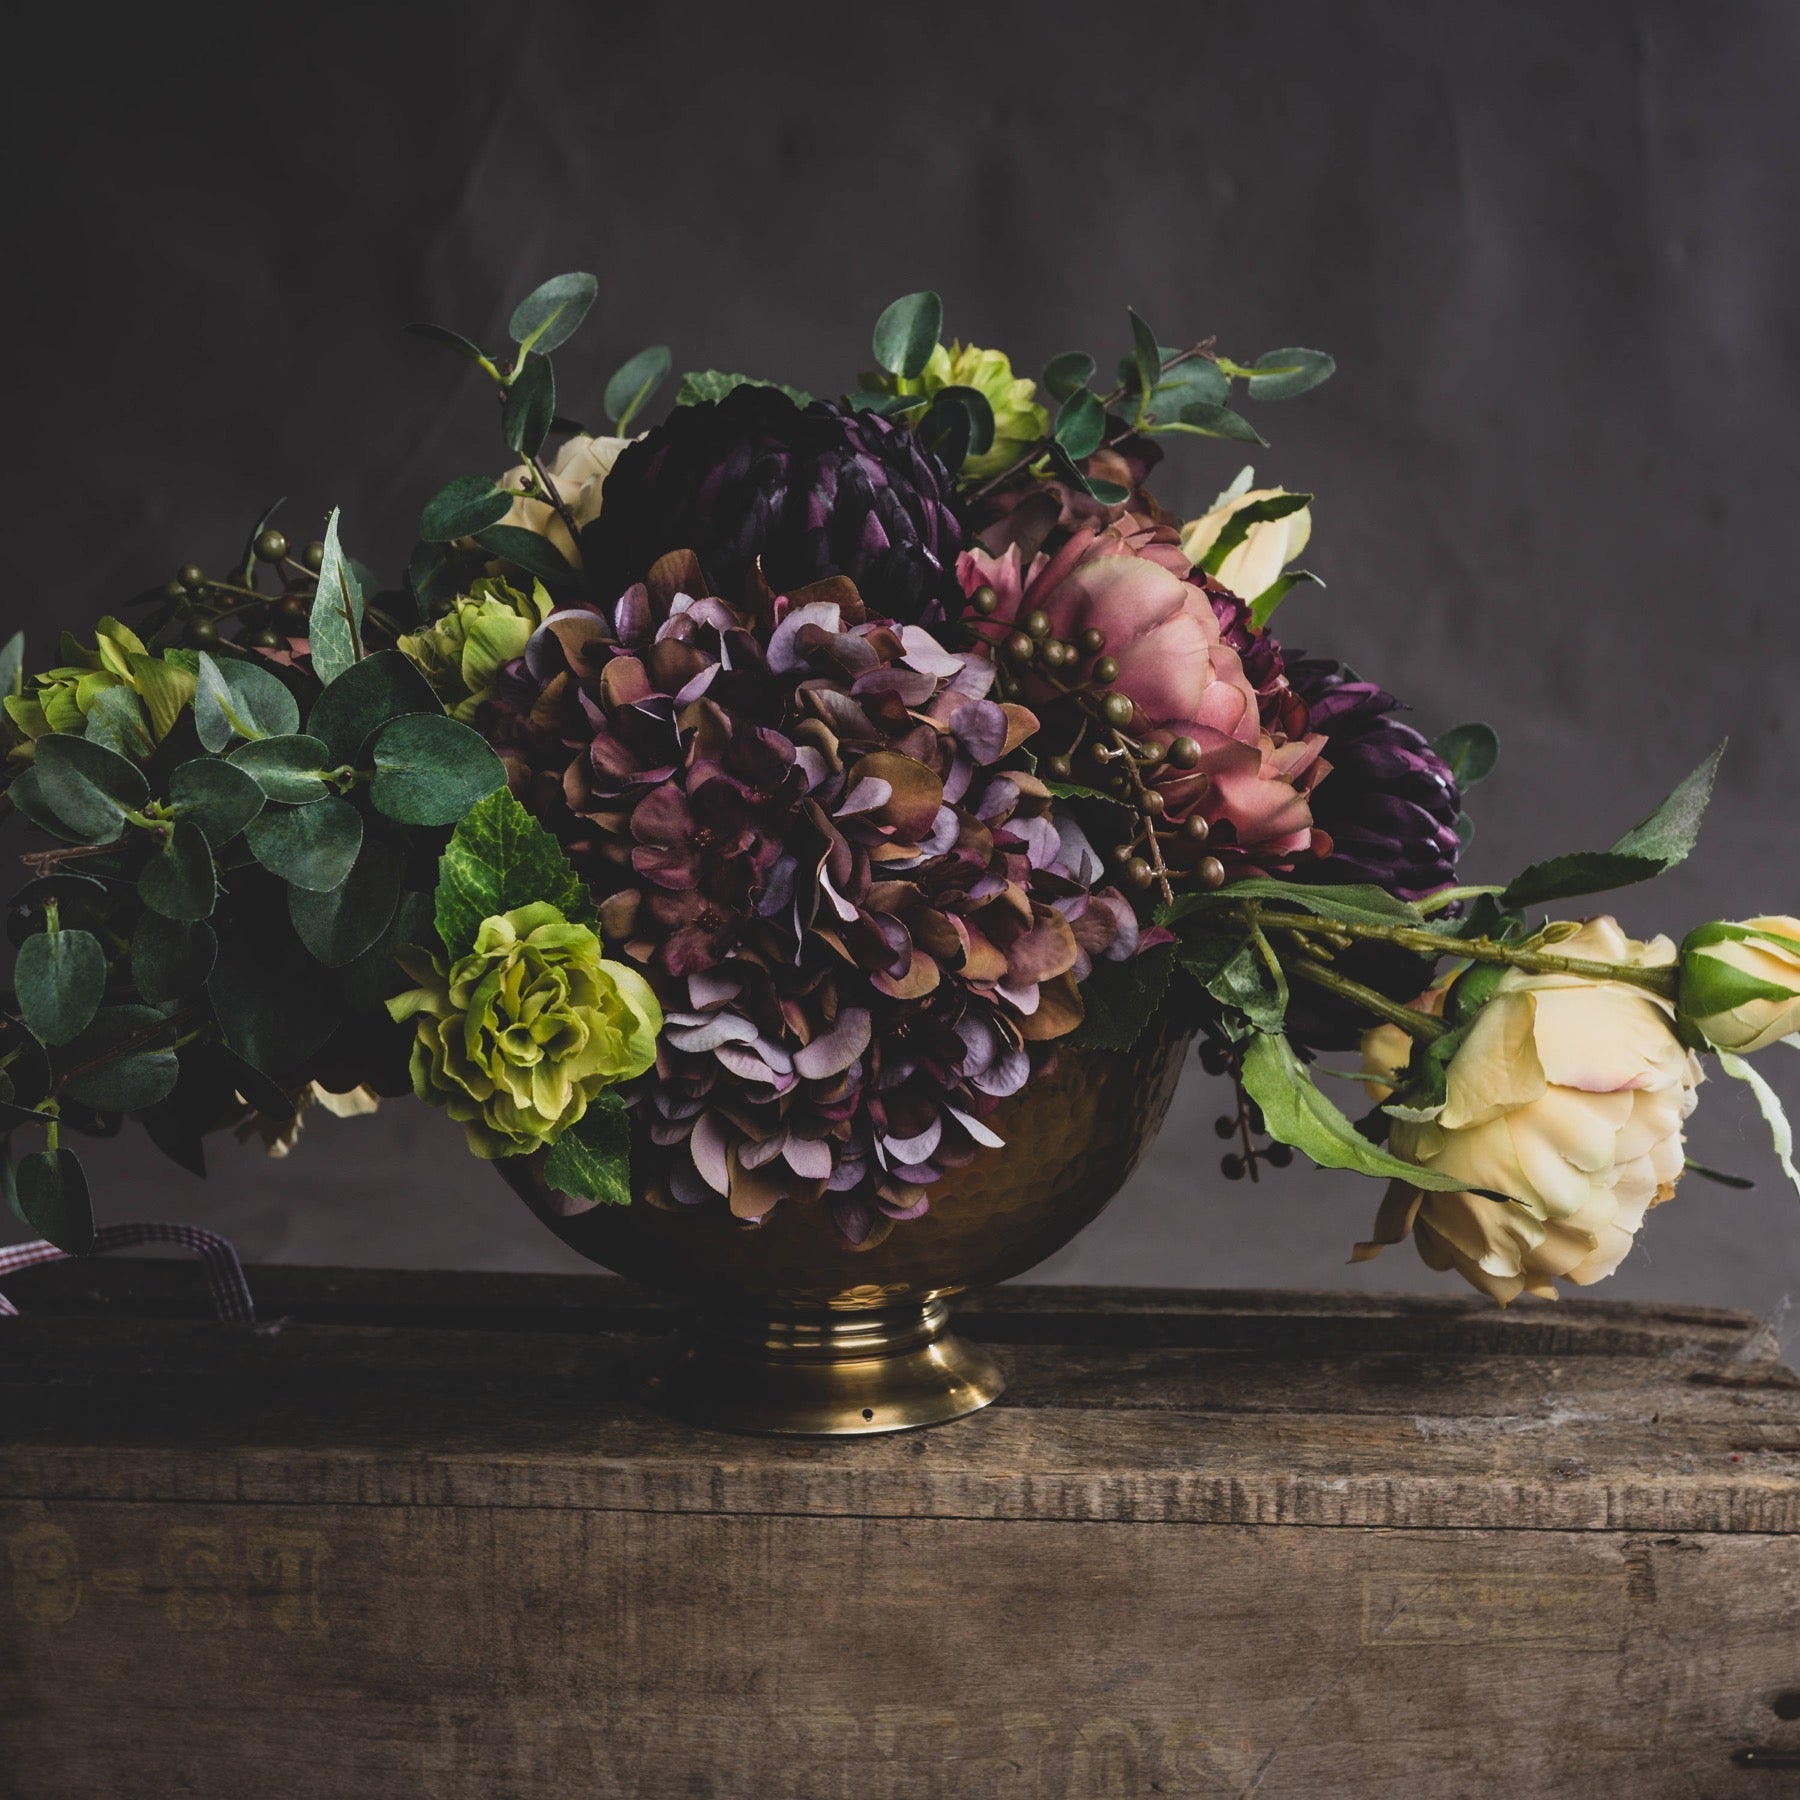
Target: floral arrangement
735	811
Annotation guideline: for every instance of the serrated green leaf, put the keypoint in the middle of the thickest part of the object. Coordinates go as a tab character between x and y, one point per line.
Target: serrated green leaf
313	846
462	507
290	769
381	687
179	880
1120	998
234	698
530	406
551	313
171	958
219	798
117	1064
1066	372
1471	751
1295	1112
499	858
1246	984
1080	424
59	978
335	625
632	383
1281	374
86	786
50	1190
701	385
337	926
1355	903
907	333
592	1159
431	770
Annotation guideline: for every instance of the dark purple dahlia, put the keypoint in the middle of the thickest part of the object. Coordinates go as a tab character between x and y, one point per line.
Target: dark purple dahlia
1389	803
866	925
807	492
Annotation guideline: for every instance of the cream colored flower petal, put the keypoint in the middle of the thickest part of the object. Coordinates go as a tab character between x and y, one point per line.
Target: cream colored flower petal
1497	1067
1601	1037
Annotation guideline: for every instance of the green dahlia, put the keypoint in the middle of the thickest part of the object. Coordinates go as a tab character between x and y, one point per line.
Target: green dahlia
462	653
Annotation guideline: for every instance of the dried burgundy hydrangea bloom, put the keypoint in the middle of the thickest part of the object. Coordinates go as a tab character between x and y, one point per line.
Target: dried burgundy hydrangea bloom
865	925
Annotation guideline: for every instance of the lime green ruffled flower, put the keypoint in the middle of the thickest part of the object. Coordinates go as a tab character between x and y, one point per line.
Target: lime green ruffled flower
462	653
1019	422
62	698
519	1037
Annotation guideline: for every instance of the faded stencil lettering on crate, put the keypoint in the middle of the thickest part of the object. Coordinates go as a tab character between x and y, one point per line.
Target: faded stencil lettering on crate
1585	1612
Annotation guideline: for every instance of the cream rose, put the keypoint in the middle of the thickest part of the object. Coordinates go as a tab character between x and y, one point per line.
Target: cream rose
1568	1094
578	472
1740	983
1268	546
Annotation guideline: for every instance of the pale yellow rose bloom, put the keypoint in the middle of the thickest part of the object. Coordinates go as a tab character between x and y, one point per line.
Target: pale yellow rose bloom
1772	956
578	471
1568	1095
1268	547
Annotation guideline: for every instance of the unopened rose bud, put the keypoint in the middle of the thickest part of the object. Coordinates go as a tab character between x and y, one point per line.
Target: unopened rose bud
1740	983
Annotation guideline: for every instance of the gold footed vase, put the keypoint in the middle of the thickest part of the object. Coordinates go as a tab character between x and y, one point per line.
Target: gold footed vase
796	1333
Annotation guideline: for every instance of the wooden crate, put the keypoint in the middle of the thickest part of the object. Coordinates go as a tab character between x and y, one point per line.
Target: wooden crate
413	1537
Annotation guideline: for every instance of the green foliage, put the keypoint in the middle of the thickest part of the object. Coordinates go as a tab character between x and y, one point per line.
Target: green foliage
1066	372
86	787
273	1009
171	958
592	1159
241	699
907	333
339	924
1262	608
1281	374
216	796
500	858
115	720
527	550
50	1193
311	846
59	978
379	688
632	384
462	507
179	880
700	385
12	665
290	769
1658	843
1121	998
1355	903
122	1061
335	627
1081	424
1147	360
958	424
1296	1112
429	770
1471	751
452	341
551	313
530	406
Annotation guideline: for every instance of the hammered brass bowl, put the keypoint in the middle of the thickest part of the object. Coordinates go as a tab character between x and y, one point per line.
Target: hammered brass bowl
799	1333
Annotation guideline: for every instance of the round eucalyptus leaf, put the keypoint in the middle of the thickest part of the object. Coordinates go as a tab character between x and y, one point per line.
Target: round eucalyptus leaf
1066	372
27	794
289	769
549	315
179	880
311	846
59	977
50	1193
907	333
117	1064
243	699
86	786
368	694
82	900
430	771
171	958
338	926
219	798
275	1009
461	508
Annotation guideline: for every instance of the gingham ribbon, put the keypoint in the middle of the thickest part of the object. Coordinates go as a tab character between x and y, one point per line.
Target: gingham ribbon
224	1273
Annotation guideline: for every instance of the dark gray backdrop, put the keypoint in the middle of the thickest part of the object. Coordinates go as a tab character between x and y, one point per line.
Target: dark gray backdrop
1553	248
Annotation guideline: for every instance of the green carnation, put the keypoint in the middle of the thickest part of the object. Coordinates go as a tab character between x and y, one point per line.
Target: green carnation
1019	422
518	1038
462	653
62	698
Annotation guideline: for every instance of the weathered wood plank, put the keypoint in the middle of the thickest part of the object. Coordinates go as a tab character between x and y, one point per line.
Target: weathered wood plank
292	1651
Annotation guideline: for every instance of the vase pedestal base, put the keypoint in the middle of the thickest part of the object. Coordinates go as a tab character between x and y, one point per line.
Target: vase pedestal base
825	1374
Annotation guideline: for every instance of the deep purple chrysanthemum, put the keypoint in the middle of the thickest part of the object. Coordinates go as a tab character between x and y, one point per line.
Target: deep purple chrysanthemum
804	492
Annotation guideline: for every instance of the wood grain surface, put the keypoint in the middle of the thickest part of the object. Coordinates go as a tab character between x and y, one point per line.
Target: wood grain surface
413	1535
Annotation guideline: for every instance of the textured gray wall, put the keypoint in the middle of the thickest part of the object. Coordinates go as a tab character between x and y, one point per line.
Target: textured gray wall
1553	248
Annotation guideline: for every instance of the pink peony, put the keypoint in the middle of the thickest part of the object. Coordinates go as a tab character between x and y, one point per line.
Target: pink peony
1182	677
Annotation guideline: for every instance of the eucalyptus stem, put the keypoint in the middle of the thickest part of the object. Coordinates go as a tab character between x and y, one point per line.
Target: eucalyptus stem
555	499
